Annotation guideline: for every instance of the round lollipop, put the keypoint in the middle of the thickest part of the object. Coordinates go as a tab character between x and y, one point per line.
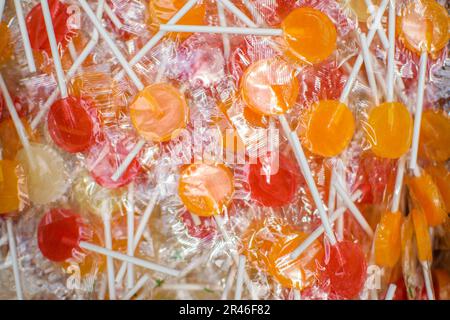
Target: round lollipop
273	184
46	176
206	189
59	13
346	269
62	233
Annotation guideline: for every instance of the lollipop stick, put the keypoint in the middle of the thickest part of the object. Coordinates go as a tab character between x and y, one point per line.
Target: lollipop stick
254	12
419	110
130	234
108	243
359	60
223	23
24	34
320	230
72	71
119	56
427	278
331	195
352	207
123	257
127	161
157	37
240	278
221	30
369	69
21	132
139	232
110	13
15	262
228	283
139	284
380	30
398	184
301	159
54	48
391	53
391	292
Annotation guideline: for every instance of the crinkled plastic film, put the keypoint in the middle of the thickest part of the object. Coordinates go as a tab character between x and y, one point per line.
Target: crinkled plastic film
213	179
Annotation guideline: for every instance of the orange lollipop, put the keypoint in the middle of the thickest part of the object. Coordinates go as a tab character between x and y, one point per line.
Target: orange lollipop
269	87
423	240
159	112
310	35
423	26
9	186
387	239
427	196
206	189
435	136
389	130
298	273
329	128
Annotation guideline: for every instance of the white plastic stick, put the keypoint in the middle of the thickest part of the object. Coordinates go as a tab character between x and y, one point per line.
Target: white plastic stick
139	232
139	284
72	71
381	34
127	161
369	68
72	51
352	207
228	283
398	184
157	37
254	12
104	34
331	195
108	243
14	260
222	30
303	163
130	235
391	292
223	23
427	278
24	34
110	13
359	60
391	53
21	132
320	230
419	110
123	257
240	278
54	48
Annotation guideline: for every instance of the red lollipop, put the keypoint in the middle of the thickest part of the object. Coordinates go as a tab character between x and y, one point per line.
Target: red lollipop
73	124
59	234
346	269
271	186
205	230
106	156
60	14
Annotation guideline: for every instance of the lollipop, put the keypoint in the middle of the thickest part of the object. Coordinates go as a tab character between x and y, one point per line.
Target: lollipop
441	177
46	175
424	249
390	124
62	233
434	136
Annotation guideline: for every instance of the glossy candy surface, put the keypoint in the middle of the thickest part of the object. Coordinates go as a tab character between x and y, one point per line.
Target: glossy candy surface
329	128
389	130
5	43
206	190
387	239
310	35
73	124
434	136
423	240
9	186
159	112
269	87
